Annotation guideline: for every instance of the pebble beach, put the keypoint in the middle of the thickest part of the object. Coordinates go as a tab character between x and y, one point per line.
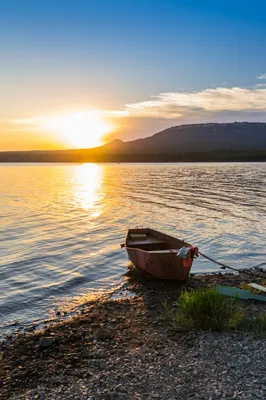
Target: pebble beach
121	347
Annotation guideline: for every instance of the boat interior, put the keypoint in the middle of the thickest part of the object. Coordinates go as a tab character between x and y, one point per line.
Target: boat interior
153	241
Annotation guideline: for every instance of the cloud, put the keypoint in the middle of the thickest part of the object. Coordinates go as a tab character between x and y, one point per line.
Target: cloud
177	104
263	76
27	124
260	85
35	121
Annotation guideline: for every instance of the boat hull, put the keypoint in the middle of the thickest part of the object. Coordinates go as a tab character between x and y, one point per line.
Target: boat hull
157	256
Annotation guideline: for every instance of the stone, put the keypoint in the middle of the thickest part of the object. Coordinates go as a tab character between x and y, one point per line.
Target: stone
104	334
46	341
36	395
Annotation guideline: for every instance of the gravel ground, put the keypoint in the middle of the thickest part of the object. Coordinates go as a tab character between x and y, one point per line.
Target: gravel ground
126	349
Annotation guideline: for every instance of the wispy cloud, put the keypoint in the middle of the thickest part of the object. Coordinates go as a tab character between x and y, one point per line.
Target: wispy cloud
28	121
260	85
263	76
176	104
27	124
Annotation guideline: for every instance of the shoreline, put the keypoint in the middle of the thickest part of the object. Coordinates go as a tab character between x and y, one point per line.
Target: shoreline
124	347
124	290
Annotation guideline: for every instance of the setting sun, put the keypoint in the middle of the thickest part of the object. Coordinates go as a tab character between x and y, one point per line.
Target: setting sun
83	129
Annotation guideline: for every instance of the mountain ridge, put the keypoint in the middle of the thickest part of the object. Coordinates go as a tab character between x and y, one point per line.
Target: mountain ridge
191	142
205	137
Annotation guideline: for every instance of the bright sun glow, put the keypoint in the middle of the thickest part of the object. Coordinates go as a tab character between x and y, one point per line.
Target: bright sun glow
84	129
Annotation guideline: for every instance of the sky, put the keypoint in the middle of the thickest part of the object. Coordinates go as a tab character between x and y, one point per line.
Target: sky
81	73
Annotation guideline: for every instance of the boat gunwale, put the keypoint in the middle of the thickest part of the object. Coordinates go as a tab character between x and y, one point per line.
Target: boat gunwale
151	251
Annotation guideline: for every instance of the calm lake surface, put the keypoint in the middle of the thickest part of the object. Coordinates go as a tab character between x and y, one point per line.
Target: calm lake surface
61	225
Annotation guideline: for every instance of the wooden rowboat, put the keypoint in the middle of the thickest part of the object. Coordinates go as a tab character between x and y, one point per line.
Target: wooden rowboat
156	254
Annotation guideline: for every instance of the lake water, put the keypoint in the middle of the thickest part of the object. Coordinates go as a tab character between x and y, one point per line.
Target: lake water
61	225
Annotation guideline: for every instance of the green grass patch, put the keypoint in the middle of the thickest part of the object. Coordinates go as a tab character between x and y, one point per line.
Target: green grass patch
206	309
256	325
259	324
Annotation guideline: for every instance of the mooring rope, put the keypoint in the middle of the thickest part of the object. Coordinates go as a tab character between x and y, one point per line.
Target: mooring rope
224	266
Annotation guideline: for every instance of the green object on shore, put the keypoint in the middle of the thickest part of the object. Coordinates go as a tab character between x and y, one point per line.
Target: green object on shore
239	293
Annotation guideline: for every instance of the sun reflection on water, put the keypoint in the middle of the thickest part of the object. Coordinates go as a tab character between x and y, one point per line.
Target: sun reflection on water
88	190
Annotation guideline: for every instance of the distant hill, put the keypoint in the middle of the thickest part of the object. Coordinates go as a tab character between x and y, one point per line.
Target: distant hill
204	137
239	141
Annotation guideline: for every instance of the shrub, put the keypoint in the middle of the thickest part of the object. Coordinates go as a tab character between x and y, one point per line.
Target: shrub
206	309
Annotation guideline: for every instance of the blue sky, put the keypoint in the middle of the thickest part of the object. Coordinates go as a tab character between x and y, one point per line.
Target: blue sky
60	57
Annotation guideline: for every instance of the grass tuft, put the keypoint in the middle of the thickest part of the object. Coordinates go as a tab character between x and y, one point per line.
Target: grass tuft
206	309
259	324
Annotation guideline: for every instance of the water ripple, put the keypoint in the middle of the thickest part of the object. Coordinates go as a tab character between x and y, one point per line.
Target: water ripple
61	225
